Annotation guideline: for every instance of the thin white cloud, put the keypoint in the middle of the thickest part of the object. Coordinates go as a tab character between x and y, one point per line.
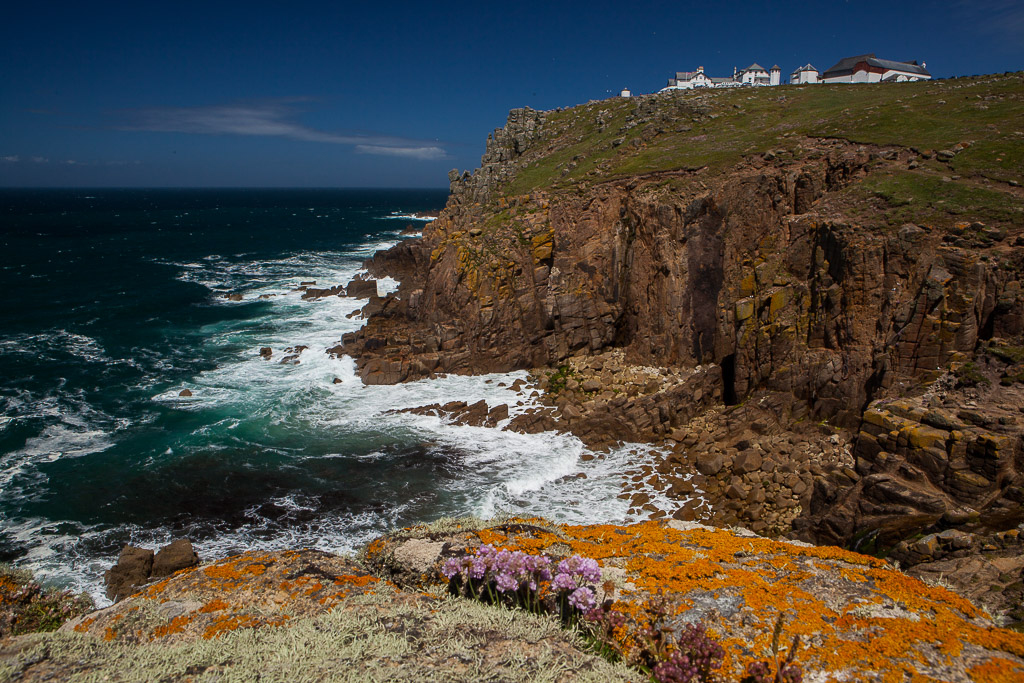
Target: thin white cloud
269	119
423	153
15	159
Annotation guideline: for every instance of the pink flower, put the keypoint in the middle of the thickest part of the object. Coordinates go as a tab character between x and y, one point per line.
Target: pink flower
582	599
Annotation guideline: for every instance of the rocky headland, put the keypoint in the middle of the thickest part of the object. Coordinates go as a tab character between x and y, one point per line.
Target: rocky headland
808	300
811	299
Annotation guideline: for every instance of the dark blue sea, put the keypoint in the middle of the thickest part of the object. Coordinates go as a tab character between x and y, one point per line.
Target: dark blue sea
114	301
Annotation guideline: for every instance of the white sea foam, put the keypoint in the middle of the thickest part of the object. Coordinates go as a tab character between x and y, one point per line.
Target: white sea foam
397	215
502	471
73	428
497	471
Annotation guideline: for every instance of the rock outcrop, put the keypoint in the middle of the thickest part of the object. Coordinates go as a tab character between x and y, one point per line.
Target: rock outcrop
300	615
310	615
857	617
138	566
839	276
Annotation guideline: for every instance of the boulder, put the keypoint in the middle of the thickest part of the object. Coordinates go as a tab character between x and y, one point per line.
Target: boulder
185	393
174	557
318	293
710	464
496	415
132	570
360	288
136	566
747	461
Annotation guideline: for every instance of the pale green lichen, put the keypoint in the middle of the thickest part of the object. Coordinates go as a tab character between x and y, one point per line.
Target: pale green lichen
374	637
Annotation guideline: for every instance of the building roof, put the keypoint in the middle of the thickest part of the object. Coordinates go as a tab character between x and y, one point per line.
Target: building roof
845	66
755	67
776	68
805	67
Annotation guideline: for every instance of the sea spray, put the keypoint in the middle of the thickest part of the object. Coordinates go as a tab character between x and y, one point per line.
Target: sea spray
100	447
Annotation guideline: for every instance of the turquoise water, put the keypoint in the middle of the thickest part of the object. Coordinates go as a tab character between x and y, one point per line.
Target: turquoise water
115	303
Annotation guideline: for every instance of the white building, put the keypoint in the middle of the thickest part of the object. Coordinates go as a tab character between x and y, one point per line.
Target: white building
752	75
755	74
625	93
869	69
805	74
687	80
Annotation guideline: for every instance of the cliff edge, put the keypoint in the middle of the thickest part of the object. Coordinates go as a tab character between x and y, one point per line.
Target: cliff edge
811	297
308	615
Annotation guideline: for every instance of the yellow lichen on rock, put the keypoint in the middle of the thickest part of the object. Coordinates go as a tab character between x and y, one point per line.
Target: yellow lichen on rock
858	617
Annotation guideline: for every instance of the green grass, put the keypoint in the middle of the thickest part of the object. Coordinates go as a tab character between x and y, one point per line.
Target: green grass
717	128
928	199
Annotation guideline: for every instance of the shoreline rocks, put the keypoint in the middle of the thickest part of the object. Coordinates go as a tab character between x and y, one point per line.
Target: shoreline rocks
856	617
138	566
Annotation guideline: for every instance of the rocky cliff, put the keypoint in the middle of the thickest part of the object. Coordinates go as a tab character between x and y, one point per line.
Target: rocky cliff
848	258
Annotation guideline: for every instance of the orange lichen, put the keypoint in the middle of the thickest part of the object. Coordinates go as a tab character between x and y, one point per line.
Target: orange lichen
84	626
228	623
997	671
353	580
230	573
176	625
236	621
156	589
657	558
214	605
109	634
376	547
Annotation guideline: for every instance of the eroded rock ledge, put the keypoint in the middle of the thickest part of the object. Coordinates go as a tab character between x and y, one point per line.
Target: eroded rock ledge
308	615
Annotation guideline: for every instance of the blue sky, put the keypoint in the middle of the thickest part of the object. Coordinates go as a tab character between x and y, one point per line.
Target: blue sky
394	94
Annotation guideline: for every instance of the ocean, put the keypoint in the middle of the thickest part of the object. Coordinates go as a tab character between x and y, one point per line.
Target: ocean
116	301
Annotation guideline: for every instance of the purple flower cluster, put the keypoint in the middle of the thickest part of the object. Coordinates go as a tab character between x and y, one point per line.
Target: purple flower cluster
695	656
572	576
509	570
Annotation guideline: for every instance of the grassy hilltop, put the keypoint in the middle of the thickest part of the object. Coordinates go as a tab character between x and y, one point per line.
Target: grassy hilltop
967	127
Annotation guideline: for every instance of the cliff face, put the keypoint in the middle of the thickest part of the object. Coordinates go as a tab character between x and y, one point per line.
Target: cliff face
757	268
828	247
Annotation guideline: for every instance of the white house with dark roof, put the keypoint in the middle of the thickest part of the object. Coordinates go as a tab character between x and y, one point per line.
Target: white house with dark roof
755	74
752	75
805	74
869	69
686	80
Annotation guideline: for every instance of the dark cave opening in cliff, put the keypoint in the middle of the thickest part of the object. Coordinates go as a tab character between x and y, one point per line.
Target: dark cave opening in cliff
729	380
987	329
